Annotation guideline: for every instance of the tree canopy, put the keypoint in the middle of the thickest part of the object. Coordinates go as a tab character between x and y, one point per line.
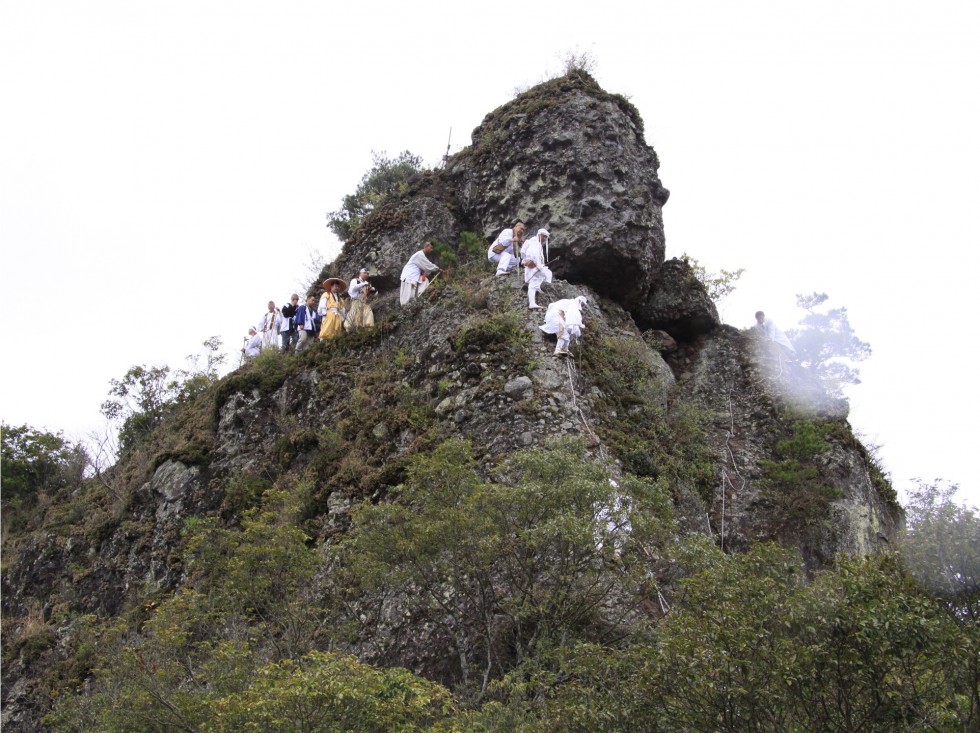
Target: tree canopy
826	344
386	176
34	462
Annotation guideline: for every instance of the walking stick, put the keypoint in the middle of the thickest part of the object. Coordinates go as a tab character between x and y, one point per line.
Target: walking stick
430	281
519	267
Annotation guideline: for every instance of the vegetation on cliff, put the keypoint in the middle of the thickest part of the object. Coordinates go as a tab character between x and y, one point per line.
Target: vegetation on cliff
544	585
433	525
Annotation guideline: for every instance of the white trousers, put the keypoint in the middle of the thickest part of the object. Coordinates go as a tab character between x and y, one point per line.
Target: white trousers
505	261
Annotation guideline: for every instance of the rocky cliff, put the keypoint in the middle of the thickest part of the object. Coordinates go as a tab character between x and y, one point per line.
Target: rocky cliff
657	388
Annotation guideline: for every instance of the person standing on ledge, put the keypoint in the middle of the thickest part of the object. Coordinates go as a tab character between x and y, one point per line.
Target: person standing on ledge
269	327
307	323
287	329
360	314
415	274
331	310
772	333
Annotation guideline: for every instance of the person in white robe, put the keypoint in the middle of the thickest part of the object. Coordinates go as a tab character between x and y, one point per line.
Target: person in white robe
502	250
536	272
772	333
360	314
564	319
269	327
253	346
415	274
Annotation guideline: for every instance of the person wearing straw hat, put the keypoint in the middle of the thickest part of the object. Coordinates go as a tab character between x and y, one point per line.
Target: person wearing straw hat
415	274
331	310
360	314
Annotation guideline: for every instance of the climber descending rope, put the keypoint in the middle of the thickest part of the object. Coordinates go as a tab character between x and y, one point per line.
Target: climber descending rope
564	319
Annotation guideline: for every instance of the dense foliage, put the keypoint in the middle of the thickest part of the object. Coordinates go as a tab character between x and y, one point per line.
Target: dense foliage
570	605
34	463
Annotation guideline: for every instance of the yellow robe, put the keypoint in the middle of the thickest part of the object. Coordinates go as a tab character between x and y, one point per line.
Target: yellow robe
333	321
360	315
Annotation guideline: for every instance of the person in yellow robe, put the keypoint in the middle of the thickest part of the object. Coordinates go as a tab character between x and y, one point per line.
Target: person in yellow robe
331	308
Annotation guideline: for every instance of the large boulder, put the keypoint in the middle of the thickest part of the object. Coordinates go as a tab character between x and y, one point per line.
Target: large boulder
571	158
678	303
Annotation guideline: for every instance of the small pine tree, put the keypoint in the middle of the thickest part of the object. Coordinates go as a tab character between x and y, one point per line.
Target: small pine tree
826	343
386	176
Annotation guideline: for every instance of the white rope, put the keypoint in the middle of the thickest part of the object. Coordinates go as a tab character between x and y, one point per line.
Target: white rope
725	479
585	424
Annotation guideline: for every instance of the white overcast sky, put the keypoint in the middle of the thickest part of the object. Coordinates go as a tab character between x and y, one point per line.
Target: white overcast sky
166	168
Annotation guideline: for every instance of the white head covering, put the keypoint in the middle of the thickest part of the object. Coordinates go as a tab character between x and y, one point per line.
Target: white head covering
543	233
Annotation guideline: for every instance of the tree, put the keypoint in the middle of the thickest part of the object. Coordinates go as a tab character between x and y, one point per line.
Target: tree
386	176
139	402
752	645
144	396
941	546
202	369
719	284
504	569
826	343
35	461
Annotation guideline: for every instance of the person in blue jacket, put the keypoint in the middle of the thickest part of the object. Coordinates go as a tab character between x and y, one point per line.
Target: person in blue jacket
307	323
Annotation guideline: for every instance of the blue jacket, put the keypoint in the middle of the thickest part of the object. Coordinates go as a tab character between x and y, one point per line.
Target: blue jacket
301	314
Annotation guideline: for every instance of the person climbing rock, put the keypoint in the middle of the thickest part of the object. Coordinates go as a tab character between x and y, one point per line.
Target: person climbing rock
503	251
415	274
772	333
564	319
536	272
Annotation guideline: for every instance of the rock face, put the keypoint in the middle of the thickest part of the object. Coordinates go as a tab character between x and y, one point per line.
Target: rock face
565	156
677	303
393	234
656	385
572	159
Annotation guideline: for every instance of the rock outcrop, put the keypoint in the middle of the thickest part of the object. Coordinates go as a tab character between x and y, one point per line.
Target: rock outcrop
656	385
566	156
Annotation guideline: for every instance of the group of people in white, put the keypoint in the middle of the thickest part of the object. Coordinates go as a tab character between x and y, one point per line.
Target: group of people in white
294	327
563	317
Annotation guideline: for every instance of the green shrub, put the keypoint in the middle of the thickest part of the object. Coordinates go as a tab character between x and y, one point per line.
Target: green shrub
548	545
495	332
792	492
